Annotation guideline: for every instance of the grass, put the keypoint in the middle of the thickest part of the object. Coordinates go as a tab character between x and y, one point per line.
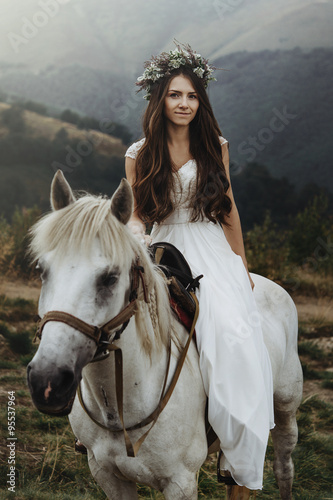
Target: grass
312	350
312	374
17	309
312	284
327	384
48	467
47	463
8	365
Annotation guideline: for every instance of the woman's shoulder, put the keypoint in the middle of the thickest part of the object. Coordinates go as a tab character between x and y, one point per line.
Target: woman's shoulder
222	140
133	150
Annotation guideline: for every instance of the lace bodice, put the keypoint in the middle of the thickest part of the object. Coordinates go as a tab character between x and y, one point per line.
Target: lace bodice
184	185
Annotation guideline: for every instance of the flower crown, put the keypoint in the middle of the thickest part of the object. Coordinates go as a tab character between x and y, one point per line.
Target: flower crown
165	63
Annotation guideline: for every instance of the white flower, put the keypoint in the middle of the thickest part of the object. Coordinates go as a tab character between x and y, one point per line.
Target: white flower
175	63
199	72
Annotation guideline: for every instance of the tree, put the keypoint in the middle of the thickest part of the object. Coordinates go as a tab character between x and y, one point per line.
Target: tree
13	118
70	117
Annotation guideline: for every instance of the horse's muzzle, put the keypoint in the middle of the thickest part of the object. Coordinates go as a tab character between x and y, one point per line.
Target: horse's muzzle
54	393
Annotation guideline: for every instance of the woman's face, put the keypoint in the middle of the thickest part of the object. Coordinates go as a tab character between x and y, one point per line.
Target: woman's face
182	102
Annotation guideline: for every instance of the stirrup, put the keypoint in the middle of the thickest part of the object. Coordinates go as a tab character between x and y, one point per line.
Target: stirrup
228	480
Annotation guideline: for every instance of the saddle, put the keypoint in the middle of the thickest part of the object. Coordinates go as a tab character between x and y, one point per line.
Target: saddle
179	278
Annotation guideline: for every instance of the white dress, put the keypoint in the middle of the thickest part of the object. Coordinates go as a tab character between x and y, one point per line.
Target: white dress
234	361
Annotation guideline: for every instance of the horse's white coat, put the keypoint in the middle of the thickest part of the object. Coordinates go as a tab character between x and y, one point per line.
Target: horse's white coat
176	447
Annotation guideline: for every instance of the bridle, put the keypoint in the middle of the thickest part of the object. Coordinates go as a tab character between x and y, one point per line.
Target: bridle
104	341
101	334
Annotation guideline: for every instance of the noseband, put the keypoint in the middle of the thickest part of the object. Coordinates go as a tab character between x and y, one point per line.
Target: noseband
101	334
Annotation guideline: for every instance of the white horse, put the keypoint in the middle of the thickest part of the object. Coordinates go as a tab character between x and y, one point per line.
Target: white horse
87	258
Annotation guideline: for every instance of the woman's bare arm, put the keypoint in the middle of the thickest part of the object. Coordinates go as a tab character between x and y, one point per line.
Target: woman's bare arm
233	233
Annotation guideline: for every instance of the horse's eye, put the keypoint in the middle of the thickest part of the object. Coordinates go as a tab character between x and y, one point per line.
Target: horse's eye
106	280
42	271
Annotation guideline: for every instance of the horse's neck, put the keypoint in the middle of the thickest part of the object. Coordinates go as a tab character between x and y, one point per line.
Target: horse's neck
143	378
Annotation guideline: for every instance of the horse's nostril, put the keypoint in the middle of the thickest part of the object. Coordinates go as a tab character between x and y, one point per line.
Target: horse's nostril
66	379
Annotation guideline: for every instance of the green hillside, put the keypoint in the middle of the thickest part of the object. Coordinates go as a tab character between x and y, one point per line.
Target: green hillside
33	147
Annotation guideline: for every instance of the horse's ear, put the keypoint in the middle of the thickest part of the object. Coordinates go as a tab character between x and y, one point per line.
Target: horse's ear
61	192
122	202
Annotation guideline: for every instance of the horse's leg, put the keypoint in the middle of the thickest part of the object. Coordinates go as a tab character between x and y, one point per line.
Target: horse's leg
114	488
285	432
284	440
238	493
181	487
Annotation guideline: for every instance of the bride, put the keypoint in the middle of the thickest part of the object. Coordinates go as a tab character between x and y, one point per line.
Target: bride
180	178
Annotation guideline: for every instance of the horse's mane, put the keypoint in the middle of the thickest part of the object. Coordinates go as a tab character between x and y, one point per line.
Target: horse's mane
76	227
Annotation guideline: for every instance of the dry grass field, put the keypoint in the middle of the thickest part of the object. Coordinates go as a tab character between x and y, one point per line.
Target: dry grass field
47	466
48	127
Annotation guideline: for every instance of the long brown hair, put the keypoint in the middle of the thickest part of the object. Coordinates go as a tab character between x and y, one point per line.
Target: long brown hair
154	170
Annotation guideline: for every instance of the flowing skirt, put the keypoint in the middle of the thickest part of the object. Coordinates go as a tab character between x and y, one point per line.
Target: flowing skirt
234	361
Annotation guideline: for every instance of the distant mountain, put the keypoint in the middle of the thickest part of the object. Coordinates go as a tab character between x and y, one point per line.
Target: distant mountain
275	107
119	36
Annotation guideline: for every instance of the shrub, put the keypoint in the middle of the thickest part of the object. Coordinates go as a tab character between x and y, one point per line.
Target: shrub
309	227
265	249
13	118
20	342
70	117
15	259
36	107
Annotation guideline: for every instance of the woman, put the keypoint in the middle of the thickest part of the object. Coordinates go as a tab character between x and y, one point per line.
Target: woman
180	178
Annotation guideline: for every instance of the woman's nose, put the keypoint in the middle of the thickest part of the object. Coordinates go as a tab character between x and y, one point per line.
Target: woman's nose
183	103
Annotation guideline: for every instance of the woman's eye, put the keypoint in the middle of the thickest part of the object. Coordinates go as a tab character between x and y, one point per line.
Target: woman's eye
173	95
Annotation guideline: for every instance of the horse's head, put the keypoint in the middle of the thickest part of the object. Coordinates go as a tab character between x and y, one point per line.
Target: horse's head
85	255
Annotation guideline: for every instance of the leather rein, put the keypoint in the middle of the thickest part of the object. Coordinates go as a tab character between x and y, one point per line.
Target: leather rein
104	341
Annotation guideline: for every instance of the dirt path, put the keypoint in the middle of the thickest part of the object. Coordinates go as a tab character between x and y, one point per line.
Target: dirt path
20	289
318	310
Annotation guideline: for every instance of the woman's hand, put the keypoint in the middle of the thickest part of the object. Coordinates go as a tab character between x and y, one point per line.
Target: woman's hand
139	230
